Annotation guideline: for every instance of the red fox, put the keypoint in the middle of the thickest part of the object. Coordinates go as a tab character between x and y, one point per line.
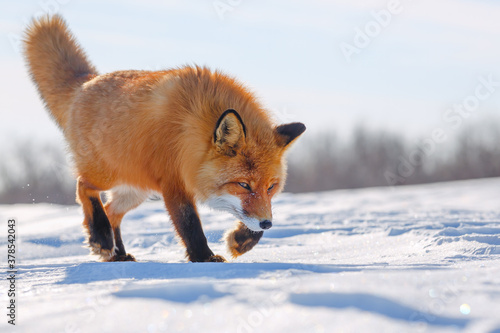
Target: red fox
192	134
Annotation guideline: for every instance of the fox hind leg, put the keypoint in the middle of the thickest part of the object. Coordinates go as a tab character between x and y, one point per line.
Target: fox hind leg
96	223
122	199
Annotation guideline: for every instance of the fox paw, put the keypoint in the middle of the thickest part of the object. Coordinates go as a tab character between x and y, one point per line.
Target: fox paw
216	258
241	239
104	254
122	257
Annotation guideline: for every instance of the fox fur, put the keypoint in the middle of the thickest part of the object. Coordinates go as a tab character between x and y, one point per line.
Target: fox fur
189	133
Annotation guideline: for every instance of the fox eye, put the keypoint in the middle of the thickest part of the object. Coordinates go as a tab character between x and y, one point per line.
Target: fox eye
245	186
270	188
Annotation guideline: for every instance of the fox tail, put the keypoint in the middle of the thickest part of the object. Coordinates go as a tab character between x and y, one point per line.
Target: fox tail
57	64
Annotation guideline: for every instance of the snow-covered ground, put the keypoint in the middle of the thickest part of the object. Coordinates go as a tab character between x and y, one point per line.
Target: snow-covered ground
409	259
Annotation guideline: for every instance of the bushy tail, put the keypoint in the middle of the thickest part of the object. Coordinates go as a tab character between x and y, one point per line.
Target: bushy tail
57	64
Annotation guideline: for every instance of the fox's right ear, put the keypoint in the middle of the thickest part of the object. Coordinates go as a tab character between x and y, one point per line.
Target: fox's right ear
229	133
289	132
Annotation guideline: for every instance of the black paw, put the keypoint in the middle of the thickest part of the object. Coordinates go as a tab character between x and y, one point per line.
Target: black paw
216	258
122	257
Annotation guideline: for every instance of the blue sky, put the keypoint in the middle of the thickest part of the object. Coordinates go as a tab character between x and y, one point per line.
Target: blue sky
429	57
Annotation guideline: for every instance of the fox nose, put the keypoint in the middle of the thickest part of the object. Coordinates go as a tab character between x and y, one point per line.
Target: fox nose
266	224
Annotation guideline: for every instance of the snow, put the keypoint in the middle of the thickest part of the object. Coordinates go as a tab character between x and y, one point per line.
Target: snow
407	259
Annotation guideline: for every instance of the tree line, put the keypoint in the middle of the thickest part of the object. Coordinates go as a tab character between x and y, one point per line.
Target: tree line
35	172
379	158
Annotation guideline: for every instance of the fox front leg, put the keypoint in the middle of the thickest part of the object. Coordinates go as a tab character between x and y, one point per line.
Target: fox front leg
188	226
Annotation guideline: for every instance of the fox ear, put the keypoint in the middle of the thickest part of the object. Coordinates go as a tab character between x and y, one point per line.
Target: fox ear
229	133
289	132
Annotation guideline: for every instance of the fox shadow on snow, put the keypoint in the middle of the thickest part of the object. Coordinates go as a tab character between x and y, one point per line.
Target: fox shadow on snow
98	271
182	291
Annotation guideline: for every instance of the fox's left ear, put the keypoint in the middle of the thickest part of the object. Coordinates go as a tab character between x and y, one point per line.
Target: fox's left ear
229	133
289	132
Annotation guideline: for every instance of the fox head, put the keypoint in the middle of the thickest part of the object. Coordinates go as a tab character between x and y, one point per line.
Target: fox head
248	167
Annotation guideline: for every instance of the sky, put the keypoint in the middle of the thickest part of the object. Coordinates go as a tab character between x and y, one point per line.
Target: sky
403	66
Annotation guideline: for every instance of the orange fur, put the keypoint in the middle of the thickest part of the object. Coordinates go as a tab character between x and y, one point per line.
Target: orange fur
154	131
